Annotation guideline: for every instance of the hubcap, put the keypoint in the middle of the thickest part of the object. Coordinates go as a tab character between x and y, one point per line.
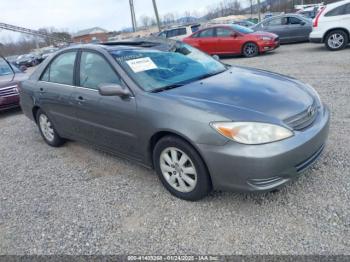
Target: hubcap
178	169
336	40
46	127
250	49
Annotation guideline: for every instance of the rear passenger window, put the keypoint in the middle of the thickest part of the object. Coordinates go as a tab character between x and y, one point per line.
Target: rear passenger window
95	70
340	10
207	33
223	32
294	21
61	69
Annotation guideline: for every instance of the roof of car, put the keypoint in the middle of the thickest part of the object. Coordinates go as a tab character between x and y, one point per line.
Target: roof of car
149	43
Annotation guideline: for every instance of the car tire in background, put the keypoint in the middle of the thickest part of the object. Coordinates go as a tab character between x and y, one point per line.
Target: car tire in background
47	130
250	49
181	169
336	40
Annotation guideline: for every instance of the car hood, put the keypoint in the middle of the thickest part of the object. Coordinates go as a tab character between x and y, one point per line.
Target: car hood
262	33
244	89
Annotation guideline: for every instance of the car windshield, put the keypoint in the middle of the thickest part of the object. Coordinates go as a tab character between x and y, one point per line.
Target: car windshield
155	70
5	69
242	29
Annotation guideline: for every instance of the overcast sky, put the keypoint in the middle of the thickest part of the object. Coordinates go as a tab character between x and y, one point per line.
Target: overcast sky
74	15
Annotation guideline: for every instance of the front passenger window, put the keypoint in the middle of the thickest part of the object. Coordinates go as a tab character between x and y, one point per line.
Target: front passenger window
95	70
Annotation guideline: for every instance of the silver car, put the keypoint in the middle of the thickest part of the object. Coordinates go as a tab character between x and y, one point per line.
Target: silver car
200	124
290	28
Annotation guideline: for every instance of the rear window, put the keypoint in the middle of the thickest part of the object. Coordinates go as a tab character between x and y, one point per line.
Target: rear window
195	28
176	32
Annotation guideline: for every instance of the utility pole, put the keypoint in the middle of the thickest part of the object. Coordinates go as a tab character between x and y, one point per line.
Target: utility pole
251	8
157	15
133	17
259	14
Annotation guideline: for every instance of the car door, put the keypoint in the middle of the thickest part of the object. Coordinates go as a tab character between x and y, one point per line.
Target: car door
229	41
298	29
106	121
54	92
278	26
206	41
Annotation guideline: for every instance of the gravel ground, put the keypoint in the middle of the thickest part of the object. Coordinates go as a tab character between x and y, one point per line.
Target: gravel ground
77	200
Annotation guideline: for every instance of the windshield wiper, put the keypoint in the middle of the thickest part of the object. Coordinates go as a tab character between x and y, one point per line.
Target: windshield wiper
166	88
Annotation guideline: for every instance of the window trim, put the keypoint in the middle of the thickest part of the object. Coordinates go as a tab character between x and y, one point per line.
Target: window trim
48	66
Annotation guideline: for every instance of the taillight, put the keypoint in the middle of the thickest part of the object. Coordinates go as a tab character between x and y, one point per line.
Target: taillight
315	24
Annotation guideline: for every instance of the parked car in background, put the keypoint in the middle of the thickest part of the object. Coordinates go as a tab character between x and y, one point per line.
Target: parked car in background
332	26
179	33
245	23
232	39
47	52
12	59
213	126
10	76
309	12
290	28
27	60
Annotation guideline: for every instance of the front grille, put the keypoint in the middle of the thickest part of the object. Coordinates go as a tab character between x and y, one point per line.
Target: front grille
308	162
8	91
303	119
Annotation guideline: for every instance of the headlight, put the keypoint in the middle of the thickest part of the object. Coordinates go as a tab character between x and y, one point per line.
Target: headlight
252	133
266	38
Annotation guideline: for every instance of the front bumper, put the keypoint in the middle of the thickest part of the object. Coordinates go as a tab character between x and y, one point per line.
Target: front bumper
9	102
268	46
248	168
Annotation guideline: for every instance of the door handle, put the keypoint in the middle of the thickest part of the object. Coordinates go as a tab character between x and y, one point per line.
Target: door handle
41	89
80	98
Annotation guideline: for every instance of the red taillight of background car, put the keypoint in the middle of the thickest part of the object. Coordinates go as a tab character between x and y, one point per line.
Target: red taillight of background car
315	24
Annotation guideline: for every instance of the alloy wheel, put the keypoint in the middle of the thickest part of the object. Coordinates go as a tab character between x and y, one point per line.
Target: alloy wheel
250	49
336	40
46	127
178	169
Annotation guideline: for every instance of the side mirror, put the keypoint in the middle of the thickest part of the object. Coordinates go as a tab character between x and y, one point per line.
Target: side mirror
216	57
302	23
113	90
234	34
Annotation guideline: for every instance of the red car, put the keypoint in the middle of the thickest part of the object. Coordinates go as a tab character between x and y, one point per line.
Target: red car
10	76
233	39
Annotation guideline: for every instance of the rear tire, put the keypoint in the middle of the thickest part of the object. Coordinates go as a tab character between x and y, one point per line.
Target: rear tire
250	50
336	40
47	130
181	169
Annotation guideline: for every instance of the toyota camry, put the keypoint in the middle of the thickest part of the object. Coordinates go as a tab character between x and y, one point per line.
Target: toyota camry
201	124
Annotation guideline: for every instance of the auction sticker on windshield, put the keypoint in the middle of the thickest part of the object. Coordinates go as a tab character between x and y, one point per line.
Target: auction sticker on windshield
141	64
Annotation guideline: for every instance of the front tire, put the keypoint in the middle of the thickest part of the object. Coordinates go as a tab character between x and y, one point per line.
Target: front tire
250	50
181	169
47	130
336	40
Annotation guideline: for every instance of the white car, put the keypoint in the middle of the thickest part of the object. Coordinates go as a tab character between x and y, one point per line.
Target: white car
179	33
332	26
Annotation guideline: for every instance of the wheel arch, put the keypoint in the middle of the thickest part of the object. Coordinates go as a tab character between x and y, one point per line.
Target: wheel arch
163	133
35	111
334	29
248	42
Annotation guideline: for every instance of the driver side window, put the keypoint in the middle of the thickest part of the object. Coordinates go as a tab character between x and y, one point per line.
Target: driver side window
95	70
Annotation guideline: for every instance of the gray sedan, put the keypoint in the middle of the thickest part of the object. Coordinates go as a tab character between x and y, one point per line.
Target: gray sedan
290	28
200	124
